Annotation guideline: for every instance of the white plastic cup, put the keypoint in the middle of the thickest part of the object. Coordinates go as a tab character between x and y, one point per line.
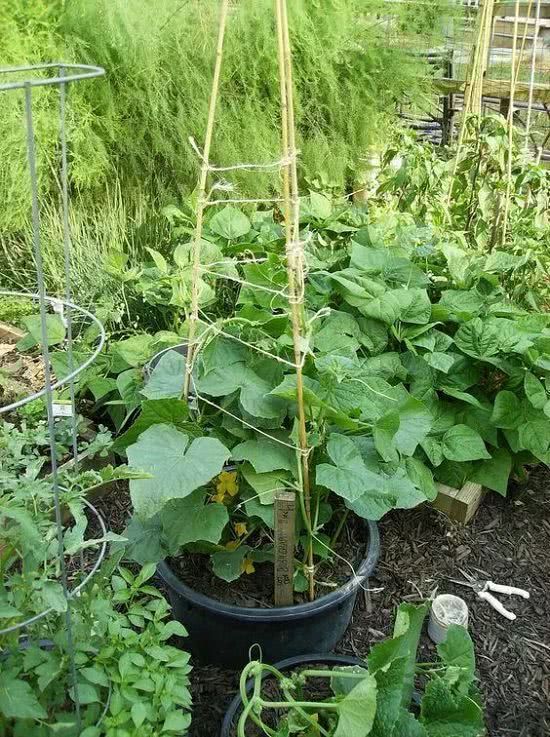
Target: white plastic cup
446	610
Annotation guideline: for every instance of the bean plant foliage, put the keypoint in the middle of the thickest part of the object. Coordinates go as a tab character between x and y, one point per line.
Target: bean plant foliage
418	368
377	698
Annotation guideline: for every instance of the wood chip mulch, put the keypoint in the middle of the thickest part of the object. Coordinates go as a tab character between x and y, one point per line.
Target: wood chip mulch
508	542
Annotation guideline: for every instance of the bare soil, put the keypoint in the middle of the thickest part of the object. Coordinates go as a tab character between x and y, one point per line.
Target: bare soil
20	374
256	589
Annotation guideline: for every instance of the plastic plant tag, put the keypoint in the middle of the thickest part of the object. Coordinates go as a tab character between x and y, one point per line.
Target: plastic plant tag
62	408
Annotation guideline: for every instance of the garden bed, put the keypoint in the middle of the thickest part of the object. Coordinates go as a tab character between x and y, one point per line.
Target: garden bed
422	547
19	374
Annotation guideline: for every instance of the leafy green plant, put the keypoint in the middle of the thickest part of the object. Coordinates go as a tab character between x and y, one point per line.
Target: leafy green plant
465	206
374	699
130	681
418	365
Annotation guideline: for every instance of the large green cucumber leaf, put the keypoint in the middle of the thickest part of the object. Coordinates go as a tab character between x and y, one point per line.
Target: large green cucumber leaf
457	652
166	380
227	564
447	714
177	467
265	484
144	541
190	520
403	645
265	455
254	390
231	223
154	412
356	711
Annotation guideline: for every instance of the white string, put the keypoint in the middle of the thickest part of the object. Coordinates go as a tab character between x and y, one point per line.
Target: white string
356	579
281	163
202	398
277	292
243	201
253	347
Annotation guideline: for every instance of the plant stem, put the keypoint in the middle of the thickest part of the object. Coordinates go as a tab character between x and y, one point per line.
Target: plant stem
339	528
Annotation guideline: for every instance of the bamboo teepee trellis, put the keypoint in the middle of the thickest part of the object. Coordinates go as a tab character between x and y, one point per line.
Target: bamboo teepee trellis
476	86
295	263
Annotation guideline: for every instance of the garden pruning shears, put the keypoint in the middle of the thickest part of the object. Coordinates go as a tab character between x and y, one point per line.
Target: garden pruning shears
483	590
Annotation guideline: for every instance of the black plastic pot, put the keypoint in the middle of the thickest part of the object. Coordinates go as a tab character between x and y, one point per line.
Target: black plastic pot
222	634
235	707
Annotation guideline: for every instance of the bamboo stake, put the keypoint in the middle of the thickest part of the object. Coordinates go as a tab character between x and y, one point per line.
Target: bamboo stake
196	251
513	82
474	84
532	75
294	257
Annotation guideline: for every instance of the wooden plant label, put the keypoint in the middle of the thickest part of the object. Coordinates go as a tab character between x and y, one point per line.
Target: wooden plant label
285	516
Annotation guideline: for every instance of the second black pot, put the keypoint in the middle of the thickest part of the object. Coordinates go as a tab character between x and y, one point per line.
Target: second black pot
222	634
285	666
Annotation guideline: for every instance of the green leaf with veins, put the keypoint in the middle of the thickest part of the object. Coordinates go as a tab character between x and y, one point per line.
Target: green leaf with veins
255	508
230	223
266	484
135	350
265	455
190	520
313	400
462	443
406	305
422	477
227	564
507	411
156	412
457	651
254	390
177	467
534	436
446	714
55	330
144	540
166	380
535	391
415	422
17	700
441	361
494	473
368	494
356	711
384	432
393	663
478	339
463	305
